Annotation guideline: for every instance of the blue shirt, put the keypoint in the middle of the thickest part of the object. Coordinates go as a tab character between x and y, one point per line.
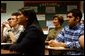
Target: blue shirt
70	36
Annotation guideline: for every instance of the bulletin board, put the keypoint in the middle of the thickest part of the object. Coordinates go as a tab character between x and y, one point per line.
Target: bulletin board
49	9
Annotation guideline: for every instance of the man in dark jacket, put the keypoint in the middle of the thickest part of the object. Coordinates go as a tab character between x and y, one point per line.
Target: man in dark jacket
31	41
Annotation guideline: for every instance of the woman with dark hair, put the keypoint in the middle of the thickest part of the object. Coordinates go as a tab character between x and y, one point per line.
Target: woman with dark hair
31	41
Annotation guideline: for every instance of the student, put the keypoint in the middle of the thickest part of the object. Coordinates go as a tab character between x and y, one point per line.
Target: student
70	34
31	41
13	31
57	21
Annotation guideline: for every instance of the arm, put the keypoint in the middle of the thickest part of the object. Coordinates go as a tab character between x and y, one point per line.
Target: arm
77	44
81	41
4	32
74	44
13	36
51	35
58	42
54	43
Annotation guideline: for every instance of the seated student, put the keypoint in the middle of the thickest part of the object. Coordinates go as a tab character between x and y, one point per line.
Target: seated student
70	34
12	33
57	21
31	40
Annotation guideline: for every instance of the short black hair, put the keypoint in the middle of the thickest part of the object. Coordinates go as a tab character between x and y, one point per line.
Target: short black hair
8	19
16	14
76	13
30	14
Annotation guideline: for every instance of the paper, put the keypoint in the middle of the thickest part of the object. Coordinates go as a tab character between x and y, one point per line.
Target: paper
6	43
56	47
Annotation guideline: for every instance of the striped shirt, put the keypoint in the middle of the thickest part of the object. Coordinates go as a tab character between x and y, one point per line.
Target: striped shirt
70	36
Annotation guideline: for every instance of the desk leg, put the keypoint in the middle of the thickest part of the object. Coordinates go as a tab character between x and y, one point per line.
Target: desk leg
46	52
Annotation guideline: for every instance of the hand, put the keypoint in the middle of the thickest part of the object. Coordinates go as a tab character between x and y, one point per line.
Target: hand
54	43
6	24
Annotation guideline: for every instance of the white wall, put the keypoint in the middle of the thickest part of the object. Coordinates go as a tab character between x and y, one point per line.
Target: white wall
81	8
11	6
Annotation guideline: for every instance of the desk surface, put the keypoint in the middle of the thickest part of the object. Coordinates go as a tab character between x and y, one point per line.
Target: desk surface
61	48
7	52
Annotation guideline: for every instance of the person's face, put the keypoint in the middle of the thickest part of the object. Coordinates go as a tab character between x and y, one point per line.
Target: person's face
21	19
55	21
71	20
13	21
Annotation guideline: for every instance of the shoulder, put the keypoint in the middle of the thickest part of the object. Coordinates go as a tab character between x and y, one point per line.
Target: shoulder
81	26
21	27
52	30
33	28
65	28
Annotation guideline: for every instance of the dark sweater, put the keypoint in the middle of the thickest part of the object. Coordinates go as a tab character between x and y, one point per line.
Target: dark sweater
30	42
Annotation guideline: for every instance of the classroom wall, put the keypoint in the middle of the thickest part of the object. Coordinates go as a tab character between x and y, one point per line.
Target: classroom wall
11	6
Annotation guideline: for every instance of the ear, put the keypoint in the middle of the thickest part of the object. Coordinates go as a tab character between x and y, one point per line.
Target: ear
26	18
78	19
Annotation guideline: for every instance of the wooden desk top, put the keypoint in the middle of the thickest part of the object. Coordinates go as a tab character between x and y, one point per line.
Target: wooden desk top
7	52
61	48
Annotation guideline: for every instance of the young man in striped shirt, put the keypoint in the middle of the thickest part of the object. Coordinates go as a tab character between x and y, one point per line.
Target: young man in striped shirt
69	36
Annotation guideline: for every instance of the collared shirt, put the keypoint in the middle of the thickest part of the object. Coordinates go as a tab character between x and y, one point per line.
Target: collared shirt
18	29
53	33
70	36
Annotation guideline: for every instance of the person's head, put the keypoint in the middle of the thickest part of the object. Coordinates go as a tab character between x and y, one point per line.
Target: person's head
14	20
28	16
73	17
57	20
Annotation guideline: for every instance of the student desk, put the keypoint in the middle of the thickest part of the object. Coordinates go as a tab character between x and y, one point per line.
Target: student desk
63	50
7	52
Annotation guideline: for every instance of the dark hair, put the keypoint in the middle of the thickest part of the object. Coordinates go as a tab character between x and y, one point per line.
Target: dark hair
8	19
30	14
15	14
76	13
60	19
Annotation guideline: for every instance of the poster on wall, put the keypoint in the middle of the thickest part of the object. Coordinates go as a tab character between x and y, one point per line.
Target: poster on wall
41	16
3	7
50	10
69	7
34	7
49	23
